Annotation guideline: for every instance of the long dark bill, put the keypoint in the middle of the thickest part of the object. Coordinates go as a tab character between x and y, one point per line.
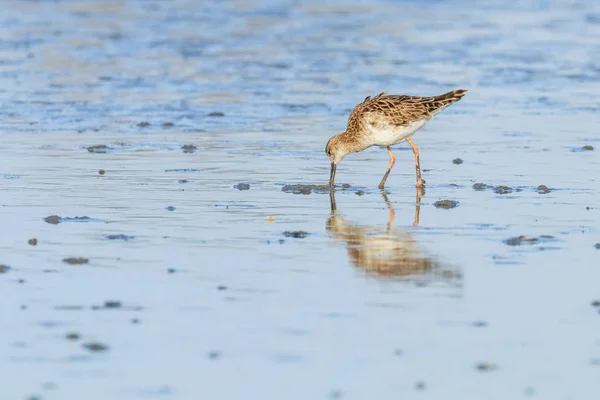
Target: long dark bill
332	174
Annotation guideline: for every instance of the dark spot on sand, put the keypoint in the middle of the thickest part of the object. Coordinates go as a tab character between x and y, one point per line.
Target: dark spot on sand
307	189
4	268
420	385
112	304
281	241
242	186
359	193
53	219
485	366
398	352
445	204
135	321
479	324
72	336
221	287
457	161
21	281
587	147
99	148
95	347
102	172
171	270
503	189
213	355
170	208
596	303
521	240
597	245
216	114
75	260
32	242
168	124
543	189
119	236
182	181
481	186
189	148
345	186
143	124
295	234
336	394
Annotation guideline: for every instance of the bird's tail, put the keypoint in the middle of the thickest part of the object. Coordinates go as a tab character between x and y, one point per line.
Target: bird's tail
450	97
436	104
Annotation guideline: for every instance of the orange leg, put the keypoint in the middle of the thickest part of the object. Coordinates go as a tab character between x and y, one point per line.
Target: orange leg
392	162
420	181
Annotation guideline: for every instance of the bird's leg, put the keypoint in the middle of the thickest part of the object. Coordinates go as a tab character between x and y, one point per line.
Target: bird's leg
420	181
392	161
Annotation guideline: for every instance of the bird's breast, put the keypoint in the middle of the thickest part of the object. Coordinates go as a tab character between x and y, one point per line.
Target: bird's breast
389	134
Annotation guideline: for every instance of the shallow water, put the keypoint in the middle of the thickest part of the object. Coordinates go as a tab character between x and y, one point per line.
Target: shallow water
214	301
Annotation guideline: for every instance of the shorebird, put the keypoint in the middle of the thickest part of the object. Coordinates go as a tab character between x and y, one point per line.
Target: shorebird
386	120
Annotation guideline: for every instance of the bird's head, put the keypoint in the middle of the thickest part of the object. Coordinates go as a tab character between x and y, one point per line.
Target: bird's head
336	150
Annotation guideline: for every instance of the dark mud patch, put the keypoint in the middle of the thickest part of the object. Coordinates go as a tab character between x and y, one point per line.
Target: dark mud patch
504	189
189	148
305	189
100	148
543	189
4	268
168	124
481	186
75	260
295	234
143	124
55	219
242	186
446	204
73	336
119	236
500	189
216	114
95	347
582	149
170	208
457	161
32	242
527	240
486	367
101	172
597	246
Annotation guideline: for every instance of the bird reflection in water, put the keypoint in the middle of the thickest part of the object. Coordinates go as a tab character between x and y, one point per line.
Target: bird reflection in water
389	252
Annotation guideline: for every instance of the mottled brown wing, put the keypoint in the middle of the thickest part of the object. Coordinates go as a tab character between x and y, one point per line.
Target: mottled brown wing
384	110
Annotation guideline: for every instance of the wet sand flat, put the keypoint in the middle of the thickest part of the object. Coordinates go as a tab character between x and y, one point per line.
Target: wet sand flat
166	231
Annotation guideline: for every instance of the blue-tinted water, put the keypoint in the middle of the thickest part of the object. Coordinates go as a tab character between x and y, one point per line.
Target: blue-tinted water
215	301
